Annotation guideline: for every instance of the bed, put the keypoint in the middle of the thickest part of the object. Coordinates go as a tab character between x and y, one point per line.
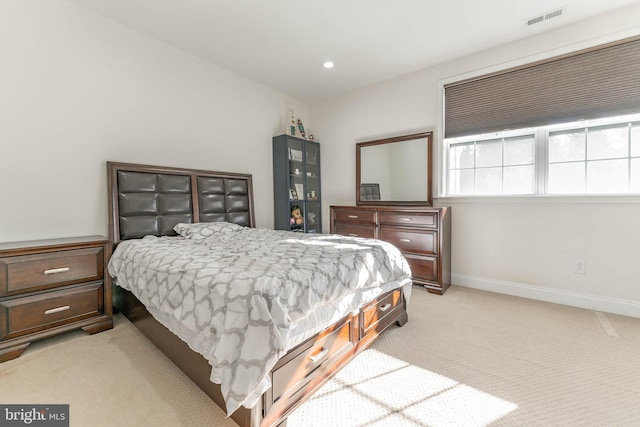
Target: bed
258	334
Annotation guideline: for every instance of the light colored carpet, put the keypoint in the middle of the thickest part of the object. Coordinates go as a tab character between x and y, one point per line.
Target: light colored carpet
467	358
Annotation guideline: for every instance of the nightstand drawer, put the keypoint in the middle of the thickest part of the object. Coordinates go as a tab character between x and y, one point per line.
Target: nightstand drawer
26	273
21	316
414	241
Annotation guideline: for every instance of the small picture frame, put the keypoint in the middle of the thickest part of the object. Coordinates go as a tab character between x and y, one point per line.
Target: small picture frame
369	191
295	192
295	155
299	191
312	156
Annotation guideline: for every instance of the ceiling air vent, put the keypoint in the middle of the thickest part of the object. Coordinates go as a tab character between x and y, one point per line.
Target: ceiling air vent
546	16
535	20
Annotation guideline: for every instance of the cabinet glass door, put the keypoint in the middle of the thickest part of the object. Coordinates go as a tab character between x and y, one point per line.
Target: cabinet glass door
296	170
312	217
312	171
296	220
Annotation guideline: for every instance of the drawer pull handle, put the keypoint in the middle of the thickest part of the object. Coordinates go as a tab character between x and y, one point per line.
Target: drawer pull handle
385	307
353	216
406	219
405	240
319	356
57	309
353	235
56	270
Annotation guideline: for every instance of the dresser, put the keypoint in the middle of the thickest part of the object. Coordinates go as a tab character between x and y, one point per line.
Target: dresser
423	235
48	287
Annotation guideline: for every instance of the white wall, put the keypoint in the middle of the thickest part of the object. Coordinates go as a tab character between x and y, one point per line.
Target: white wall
77	90
519	247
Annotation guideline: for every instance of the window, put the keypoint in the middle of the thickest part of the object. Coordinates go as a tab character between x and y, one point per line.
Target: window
575	120
588	157
492	166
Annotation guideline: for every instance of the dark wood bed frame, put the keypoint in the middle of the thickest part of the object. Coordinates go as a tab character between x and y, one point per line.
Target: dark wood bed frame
151	200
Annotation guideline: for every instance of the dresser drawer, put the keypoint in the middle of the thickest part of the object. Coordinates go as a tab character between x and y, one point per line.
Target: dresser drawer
414	241
377	314
355	230
26	273
24	315
412	219
360	216
423	267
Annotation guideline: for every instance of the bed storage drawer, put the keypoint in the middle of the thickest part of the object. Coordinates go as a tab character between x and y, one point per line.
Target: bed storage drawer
309	358
25	273
20	316
379	314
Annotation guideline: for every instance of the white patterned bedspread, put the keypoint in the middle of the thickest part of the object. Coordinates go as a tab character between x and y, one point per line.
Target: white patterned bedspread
242	297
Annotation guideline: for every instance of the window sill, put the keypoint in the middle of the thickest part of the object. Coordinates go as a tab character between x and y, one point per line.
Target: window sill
583	199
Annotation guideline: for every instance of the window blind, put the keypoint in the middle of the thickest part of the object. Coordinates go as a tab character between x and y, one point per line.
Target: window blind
603	81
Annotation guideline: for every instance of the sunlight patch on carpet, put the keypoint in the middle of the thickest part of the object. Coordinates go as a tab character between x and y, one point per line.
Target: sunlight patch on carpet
383	390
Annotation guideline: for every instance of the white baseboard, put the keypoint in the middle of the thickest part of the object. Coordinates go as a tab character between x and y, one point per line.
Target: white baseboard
591	302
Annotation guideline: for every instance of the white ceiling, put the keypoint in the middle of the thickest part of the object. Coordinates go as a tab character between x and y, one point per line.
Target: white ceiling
283	43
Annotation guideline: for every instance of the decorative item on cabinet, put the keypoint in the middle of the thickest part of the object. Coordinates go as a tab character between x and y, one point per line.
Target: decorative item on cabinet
296	183
301	128
292	125
48	287
423	235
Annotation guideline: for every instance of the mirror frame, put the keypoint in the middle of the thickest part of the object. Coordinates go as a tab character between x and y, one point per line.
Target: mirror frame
429	165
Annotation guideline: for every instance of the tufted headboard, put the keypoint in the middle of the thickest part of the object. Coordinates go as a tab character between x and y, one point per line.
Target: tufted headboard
151	200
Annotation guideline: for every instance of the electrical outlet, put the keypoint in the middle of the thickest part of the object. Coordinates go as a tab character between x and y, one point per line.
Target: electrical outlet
579	266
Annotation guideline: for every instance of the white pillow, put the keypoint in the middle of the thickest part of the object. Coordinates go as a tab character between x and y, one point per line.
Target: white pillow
202	230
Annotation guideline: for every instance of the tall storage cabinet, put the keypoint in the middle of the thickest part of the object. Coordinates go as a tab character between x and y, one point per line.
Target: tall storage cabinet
296	184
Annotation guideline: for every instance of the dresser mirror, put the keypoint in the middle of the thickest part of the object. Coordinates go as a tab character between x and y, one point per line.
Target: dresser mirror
394	171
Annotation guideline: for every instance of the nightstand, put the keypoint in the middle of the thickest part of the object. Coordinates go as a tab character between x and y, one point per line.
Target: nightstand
48	287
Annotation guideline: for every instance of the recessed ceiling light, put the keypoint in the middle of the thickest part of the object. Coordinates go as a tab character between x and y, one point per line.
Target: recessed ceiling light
328	65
